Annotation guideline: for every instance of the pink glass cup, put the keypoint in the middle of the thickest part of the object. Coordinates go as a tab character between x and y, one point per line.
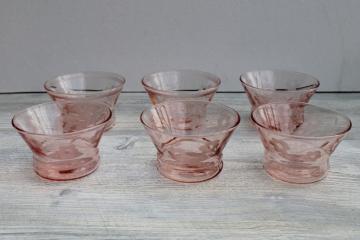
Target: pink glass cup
271	86
180	84
63	138
298	139
189	136
102	87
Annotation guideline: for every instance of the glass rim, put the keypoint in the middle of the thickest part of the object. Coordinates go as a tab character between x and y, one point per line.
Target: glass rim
17	114
343	132
211	77
314	86
233	127
118	78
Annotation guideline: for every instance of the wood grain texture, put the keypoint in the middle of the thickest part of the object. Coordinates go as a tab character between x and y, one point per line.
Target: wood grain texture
126	198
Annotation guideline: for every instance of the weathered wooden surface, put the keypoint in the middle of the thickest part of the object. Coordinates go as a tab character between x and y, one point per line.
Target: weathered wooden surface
126	198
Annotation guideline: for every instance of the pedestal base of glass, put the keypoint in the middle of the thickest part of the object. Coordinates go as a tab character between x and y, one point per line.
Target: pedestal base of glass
190	173
295	170
61	170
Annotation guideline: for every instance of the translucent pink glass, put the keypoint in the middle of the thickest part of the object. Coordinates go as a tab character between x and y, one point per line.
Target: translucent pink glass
190	136
87	86
180	84
278	86
299	139
63	137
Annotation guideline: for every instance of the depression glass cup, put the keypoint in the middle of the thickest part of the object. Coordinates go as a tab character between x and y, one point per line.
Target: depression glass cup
87	86
190	136
298	139
63	138
180	84
268	86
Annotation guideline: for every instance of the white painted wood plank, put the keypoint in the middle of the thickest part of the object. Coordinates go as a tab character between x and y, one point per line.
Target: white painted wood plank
126	198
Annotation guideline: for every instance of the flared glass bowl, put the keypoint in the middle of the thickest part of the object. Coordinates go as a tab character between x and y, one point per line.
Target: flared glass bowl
299	139
190	136
271	86
180	84
102	87
63	137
